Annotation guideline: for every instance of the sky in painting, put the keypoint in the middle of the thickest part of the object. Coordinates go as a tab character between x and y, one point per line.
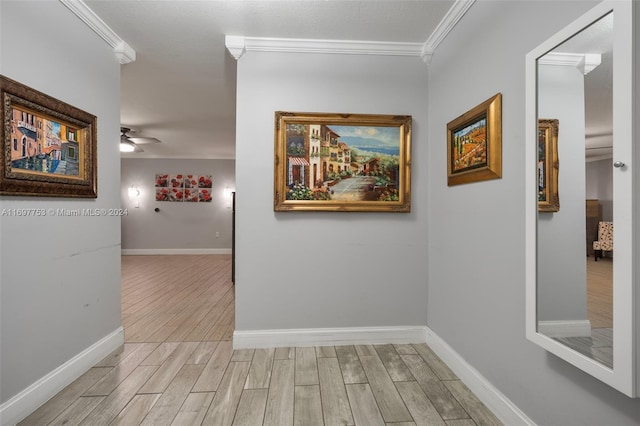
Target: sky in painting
55	128
480	123
368	136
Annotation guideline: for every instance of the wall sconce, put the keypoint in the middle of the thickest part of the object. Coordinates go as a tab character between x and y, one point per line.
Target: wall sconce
134	195
227	196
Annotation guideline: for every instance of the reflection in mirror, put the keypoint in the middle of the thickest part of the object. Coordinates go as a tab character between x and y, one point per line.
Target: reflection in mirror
575	283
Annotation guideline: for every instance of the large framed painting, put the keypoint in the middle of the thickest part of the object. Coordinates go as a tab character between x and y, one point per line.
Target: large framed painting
548	166
48	146
342	162
474	144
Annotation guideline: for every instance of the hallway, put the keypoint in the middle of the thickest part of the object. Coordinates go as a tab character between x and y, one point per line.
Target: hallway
177	367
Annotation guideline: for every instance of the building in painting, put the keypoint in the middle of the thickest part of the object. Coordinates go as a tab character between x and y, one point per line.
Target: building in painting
316	155
24	135
315	160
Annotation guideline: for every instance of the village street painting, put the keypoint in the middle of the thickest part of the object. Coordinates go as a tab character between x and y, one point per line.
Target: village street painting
470	147
345	163
41	145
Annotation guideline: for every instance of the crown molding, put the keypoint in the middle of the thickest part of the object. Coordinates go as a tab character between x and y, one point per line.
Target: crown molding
445	26
123	52
584	62
239	45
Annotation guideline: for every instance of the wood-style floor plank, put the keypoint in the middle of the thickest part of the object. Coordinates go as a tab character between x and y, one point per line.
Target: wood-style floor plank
178	367
76	412
335	404
66	397
168	370
111	406
194	409
251	407
393	363
136	410
386	394
435	363
421	409
224	405
215	368
260	371
306	367
363	405
436	391
120	372
167	407
472	405
279	411
350	365
307	406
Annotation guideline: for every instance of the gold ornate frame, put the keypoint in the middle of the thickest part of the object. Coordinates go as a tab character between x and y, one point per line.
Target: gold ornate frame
474	144
72	141
548	165
318	169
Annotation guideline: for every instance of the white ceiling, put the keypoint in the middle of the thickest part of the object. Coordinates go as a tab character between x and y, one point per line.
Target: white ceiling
181	87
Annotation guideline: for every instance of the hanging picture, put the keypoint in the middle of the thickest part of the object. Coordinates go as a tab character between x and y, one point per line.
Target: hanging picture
183	187
474	144
548	166
49	147
342	162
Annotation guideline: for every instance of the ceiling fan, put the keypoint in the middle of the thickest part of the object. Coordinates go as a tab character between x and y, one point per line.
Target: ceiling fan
130	144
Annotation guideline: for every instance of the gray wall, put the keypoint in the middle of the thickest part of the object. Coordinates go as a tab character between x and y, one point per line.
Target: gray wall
562	269
60	276
177	225
326	269
479	311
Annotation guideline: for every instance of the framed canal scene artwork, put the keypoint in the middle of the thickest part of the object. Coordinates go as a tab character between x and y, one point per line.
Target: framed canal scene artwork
474	144
48	146
342	162
548	166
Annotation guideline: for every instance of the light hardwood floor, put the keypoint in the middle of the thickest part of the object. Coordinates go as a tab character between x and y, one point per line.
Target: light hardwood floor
600	292
178	367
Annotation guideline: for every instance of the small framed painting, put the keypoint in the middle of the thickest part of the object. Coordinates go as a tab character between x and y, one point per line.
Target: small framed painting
548	166
474	144
49	147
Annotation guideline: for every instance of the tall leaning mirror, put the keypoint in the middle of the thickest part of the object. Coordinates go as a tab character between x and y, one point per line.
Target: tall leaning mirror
580	199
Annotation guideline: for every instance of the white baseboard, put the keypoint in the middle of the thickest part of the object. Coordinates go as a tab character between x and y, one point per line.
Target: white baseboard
27	401
579	328
506	411
327	336
153	252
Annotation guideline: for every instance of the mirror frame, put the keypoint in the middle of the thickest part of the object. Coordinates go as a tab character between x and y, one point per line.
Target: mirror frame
623	374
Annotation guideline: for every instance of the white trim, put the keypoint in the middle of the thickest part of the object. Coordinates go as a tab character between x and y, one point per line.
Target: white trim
251	339
577	328
155	252
235	45
146	156
584	62
623	375
27	401
445	26
124	53
496	401
238	45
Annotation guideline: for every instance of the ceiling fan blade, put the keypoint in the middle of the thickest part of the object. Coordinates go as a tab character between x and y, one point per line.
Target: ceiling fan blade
143	140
